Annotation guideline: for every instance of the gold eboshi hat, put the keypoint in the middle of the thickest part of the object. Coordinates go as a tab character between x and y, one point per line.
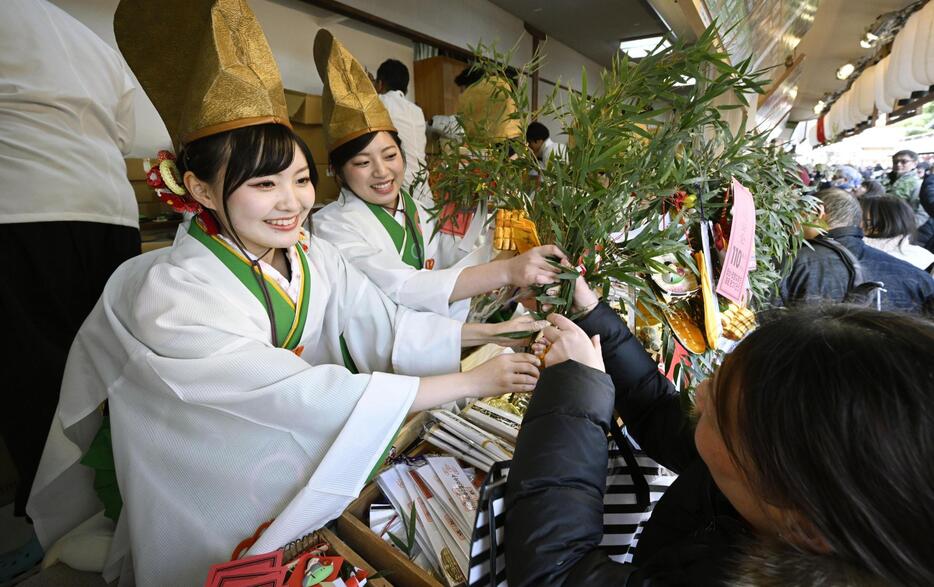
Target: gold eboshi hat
487	110
205	64
350	105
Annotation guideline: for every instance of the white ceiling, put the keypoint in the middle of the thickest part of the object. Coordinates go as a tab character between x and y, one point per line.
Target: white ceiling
832	41
593	28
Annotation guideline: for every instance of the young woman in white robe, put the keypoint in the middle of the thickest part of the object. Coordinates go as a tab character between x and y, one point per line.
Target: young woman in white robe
223	416
391	238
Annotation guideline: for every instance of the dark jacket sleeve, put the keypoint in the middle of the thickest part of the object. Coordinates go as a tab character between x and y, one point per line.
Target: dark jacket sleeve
650	406
554	495
815	274
926	195
793	287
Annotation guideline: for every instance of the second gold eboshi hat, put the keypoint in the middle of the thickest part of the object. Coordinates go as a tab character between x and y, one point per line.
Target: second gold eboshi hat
205	64
487	111
350	105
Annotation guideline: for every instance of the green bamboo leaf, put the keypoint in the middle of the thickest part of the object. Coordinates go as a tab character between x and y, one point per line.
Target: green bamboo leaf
517	335
629	279
399	544
568	294
555	263
551	300
411	528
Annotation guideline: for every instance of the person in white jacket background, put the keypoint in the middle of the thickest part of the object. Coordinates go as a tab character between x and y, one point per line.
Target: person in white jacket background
68	219
889	224
379	227
249	371
539	141
392	83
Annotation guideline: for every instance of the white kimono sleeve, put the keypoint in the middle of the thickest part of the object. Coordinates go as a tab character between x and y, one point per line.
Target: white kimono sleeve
215	430
418	289
241	391
422	344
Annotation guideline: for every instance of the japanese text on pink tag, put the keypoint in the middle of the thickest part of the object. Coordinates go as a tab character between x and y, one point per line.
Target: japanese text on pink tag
735	271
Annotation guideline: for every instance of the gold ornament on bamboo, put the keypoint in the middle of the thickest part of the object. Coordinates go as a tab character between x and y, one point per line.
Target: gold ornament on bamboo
514	231
513	403
711	312
686	330
737	321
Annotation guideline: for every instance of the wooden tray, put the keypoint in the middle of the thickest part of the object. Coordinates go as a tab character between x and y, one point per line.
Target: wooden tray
353	525
340	548
353	528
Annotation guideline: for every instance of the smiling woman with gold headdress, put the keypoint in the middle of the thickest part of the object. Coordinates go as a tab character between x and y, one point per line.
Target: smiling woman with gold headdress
379	227
250	372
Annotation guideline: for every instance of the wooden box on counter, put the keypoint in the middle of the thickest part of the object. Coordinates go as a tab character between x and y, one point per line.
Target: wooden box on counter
157	222
435	90
340	548
303	108
353	528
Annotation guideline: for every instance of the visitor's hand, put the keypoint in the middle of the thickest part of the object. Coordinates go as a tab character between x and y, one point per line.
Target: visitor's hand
585	299
565	340
519	324
532	267
507	373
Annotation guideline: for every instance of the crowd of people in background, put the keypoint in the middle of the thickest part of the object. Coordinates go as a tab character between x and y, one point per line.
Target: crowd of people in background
254	374
874	243
909	179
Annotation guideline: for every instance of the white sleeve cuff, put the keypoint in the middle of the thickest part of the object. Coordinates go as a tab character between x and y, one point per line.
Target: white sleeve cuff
426	344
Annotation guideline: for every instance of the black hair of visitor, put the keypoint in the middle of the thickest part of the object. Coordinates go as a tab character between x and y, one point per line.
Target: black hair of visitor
536	132
827	411
394	74
874	189
474	72
344	153
887	217
906	153
469	76
244	153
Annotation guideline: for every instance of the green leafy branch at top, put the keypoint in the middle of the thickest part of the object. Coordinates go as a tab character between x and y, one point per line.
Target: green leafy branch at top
650	155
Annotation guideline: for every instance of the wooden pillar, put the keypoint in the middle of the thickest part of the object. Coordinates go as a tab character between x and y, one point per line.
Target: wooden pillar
537	38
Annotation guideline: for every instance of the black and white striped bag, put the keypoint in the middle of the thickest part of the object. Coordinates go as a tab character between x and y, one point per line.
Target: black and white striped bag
634	484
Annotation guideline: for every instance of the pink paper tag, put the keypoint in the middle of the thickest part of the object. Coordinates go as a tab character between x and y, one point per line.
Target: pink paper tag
735	269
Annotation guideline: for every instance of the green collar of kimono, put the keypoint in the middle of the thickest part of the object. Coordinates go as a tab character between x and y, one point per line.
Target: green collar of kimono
410	244
290	316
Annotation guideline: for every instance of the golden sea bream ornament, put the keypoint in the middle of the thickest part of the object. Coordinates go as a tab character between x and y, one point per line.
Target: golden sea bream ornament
686	330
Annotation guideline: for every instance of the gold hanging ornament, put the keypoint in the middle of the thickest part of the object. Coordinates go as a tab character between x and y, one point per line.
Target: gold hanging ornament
737	321
514	231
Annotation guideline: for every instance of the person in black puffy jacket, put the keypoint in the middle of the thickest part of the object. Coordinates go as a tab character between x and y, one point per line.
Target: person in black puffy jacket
811	462
925	235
